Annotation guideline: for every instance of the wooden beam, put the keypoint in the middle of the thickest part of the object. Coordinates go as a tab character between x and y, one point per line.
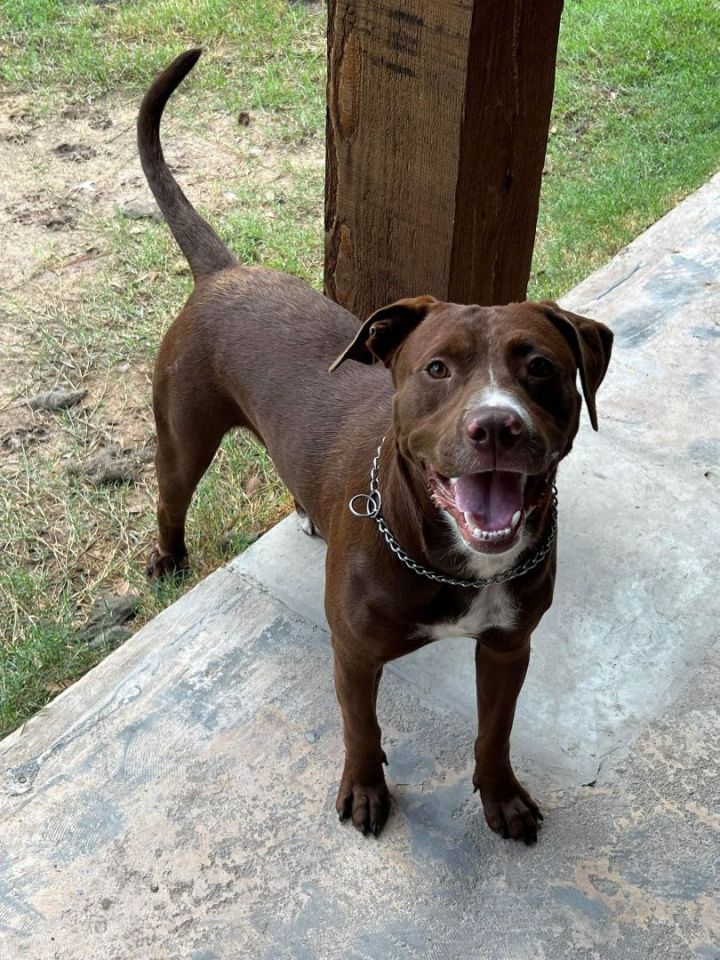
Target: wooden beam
438	116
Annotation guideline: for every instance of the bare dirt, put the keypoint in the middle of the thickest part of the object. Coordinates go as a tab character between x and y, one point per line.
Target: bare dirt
61	178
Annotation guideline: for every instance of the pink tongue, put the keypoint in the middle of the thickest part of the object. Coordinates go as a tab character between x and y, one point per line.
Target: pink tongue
491	498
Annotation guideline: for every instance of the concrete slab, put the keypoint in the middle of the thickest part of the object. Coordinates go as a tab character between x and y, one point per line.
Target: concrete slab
178	801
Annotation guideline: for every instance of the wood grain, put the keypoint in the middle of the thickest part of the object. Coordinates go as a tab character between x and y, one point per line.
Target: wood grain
436	132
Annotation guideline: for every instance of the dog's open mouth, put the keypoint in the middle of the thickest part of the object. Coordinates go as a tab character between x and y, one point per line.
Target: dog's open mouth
488	507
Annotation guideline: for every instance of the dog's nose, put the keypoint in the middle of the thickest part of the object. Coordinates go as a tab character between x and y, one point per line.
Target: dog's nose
494	427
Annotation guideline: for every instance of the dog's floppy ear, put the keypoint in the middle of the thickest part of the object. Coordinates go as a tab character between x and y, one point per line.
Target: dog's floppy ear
383	332
591	342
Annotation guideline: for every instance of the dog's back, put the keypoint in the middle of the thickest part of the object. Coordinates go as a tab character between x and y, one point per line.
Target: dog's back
281	333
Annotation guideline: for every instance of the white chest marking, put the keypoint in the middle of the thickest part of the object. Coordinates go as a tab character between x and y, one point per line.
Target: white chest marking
491	608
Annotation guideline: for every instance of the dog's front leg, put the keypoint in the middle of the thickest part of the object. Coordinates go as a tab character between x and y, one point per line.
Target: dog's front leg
363	793
500	672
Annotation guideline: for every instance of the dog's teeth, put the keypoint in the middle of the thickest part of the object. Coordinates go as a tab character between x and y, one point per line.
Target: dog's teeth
453	481
516	518
489	536
468	519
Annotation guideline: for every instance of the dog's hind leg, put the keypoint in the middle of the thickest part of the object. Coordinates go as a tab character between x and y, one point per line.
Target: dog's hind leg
189	430
179	466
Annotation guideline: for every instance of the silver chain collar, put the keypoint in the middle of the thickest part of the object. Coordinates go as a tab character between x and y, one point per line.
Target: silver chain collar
373	503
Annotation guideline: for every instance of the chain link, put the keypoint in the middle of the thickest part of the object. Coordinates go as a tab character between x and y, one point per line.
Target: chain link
373	503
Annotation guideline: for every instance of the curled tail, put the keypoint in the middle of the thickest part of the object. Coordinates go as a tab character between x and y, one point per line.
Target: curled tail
203	248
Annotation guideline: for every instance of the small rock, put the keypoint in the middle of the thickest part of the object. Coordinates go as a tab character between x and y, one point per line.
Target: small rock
77	152
111	466
311	736
244	118
141	210
144	454
94	468
60	221
107	615
229	543
122	471
110	639
15	440
252	485
232	542
85	186
100	122
57	399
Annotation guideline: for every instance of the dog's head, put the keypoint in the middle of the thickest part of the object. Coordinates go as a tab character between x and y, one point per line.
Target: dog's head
485	402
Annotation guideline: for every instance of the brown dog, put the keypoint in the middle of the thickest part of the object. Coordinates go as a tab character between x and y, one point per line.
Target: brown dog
479	406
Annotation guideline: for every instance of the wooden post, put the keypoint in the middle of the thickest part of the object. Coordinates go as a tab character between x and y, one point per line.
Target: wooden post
438	115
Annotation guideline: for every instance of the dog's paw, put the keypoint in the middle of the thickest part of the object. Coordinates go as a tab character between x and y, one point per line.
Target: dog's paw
161	565
511	812
367	804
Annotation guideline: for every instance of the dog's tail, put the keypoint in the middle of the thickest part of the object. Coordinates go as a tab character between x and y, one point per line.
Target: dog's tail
203	248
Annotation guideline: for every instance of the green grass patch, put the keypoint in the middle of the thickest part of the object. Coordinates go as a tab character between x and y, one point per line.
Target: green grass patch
265	56
36	670
636	127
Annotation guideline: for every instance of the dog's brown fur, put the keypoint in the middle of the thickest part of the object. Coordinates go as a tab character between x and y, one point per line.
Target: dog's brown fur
252	348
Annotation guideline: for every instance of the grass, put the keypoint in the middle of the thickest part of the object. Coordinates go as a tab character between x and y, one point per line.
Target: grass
635	128
64	541
266	56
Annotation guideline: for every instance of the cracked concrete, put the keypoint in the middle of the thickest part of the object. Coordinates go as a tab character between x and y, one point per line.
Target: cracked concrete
178	801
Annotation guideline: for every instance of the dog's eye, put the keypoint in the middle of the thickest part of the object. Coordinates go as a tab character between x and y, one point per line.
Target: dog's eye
540	368
437	370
